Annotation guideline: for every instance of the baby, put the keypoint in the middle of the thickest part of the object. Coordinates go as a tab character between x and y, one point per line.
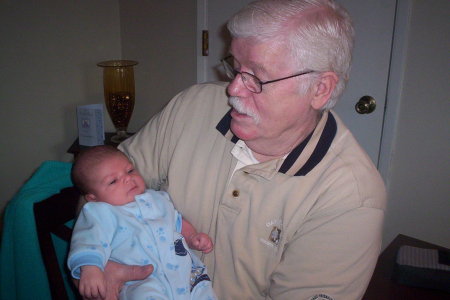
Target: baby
124	222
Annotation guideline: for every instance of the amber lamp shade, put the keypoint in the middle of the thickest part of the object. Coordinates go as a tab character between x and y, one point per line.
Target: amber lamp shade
118	85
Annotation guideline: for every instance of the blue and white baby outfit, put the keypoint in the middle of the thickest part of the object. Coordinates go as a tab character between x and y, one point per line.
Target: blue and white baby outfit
146	231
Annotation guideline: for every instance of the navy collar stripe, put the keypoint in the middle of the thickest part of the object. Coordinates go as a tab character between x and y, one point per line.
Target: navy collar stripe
328	134
224	125
294	155
325	140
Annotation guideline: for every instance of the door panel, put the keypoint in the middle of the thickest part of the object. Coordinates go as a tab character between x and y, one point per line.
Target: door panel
374	26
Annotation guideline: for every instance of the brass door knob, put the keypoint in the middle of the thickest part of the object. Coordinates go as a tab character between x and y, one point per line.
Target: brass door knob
365	105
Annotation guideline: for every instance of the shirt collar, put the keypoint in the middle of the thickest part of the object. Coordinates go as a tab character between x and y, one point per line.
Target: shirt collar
307	154
243	154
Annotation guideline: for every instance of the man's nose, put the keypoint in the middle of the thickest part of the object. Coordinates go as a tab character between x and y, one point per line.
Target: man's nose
236	88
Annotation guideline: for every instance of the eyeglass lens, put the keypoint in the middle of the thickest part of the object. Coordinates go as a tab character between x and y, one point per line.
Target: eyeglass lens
250	81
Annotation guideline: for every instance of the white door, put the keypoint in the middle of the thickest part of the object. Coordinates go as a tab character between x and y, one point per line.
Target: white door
374	25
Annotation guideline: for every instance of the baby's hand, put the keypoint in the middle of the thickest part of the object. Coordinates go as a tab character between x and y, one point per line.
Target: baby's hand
92	282
201	242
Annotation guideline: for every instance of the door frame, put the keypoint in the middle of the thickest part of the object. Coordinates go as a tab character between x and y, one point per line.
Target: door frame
202	24
394	87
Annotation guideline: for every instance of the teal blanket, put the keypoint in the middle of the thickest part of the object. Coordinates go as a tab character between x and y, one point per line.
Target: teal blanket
22	272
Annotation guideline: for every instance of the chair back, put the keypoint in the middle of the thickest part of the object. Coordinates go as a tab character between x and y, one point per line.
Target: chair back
54	219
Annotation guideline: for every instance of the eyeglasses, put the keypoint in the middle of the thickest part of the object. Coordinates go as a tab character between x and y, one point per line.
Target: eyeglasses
251	82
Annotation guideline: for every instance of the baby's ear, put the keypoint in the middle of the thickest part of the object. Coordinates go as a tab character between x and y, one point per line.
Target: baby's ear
90	197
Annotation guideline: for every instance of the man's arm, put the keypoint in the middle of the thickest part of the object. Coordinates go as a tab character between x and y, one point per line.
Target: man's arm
117	274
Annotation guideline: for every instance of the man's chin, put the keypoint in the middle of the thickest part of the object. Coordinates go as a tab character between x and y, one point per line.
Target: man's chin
243	132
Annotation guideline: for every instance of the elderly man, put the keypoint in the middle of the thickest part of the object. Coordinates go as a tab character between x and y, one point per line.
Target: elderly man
293	204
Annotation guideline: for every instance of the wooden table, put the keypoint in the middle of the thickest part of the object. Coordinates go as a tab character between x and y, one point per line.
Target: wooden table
382	287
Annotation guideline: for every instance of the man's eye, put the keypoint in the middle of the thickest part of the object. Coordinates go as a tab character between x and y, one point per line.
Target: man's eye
130	171
112	182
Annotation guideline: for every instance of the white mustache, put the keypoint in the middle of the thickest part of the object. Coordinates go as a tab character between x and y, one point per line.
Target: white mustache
237	104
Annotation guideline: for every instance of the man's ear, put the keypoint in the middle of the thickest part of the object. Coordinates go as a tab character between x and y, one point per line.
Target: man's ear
90	197
323	88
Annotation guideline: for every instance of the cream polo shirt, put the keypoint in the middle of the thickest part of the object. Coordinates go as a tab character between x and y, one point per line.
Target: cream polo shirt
243	154
303	227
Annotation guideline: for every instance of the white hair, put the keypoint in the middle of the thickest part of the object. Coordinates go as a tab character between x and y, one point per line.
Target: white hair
317	33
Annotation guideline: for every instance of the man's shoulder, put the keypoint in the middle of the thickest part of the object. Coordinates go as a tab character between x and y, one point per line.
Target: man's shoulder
350	165
208	86
200	104
346	147
205	92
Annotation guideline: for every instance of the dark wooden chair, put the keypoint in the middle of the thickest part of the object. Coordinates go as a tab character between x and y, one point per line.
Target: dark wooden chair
52	216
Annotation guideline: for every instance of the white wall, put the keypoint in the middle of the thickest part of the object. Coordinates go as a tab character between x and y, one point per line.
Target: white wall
48	55
160	35
419	183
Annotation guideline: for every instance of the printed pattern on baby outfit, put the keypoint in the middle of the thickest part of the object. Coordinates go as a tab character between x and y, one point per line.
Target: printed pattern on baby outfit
146	231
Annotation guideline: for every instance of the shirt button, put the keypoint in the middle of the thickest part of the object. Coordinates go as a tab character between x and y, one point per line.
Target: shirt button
235	193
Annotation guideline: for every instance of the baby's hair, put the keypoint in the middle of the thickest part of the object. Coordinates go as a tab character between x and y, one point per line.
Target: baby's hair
88	159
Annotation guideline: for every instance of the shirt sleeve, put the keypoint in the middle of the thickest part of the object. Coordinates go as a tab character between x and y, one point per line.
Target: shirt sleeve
151	147
91	238
332	257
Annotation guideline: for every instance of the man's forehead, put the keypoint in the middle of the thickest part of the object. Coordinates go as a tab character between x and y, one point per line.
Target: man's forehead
260	56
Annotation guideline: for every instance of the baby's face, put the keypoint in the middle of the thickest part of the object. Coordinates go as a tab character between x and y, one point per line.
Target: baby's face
115	181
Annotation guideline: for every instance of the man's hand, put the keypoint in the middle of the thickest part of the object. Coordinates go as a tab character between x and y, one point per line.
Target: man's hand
117	274
201	242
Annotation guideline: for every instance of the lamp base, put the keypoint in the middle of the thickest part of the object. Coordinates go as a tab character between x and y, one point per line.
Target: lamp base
120	136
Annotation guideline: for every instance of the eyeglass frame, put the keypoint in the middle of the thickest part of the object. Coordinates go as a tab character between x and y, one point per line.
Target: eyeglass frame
228	67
